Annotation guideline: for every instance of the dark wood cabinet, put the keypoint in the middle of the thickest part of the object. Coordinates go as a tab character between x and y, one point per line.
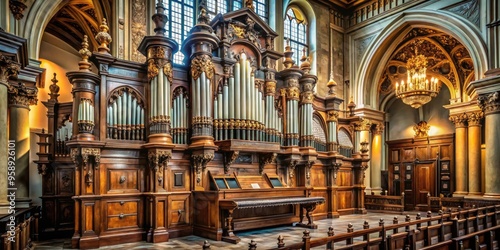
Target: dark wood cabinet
418	167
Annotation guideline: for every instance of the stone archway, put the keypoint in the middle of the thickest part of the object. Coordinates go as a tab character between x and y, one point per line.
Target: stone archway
380	50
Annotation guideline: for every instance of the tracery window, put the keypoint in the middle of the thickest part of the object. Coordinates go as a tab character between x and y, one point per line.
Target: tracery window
222	6
295	30
181	15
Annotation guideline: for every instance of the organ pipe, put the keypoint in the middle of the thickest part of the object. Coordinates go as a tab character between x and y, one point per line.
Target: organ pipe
125	116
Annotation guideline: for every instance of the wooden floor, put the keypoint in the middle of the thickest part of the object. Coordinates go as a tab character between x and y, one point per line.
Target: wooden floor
265	238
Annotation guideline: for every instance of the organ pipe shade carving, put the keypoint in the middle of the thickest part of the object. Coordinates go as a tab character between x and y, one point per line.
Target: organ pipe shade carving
125	115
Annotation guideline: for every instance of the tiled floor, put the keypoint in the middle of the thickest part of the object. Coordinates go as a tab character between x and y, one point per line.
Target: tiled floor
265	238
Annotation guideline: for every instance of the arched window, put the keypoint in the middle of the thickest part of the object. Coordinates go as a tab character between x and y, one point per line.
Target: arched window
215	7
296	32
181	20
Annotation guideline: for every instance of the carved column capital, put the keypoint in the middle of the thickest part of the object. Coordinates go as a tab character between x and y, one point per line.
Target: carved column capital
460	120
270	87
158	158
379	128
22	96
8	68
332	116
474	118
200	162
489	103
363	125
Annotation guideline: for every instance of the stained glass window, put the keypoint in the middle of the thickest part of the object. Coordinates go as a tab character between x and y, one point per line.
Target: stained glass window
215	7
181	20
295	30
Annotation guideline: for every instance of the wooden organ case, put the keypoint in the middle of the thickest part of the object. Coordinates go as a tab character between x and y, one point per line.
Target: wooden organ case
148	138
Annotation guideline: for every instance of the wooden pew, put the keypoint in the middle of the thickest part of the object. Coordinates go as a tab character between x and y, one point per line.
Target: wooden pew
385	203
447	230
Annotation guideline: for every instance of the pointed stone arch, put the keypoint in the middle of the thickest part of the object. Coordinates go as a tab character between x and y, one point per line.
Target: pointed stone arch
380	49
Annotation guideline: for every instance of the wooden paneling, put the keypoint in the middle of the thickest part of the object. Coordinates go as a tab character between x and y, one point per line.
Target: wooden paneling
178	211
416	173
123	180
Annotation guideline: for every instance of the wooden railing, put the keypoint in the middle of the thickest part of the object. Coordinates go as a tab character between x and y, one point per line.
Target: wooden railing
461	229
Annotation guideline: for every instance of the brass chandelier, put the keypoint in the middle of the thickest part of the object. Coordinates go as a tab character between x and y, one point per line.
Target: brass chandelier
417	90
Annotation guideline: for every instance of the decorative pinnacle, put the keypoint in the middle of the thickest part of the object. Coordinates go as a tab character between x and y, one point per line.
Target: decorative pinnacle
84	64
305	65
249	4
203	16
288	62
103	37
160	19
331	85
54	89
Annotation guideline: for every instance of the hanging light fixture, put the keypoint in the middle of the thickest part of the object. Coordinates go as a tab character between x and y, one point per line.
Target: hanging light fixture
417	90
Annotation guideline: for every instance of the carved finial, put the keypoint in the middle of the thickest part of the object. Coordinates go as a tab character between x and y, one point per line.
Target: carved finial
288	62
54	89
103	37
305	65
203	16
84	64
249	4
206	244
332	85
281	242
160	19
351	106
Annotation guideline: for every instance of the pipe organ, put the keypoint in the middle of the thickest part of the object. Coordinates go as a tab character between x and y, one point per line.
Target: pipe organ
125	115
153	138
240	111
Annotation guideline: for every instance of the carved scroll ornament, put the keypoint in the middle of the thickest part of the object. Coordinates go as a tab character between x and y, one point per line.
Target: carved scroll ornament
158	59
200	64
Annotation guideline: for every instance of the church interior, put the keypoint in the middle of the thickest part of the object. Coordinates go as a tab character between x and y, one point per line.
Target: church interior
127	121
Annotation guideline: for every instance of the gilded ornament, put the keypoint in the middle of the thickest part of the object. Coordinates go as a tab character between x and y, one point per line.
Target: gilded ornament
474	118
8	68
332	116
22	95
202	63
103	37
421	129
363	125
460	120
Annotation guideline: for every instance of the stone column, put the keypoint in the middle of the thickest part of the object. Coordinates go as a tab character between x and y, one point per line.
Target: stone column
474	152
362	129
8	69
490	104
460	121
20	97
376	158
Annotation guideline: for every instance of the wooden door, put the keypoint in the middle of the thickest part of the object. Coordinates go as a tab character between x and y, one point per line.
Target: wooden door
425	179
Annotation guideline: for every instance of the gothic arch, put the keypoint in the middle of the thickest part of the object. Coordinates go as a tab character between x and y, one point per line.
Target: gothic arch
374	61
39	15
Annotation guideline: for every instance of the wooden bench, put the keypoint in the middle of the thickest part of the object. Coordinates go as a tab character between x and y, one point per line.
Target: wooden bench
229	206
385	203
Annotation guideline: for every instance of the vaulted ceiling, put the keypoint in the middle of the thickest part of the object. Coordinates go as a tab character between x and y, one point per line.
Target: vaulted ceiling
78	18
